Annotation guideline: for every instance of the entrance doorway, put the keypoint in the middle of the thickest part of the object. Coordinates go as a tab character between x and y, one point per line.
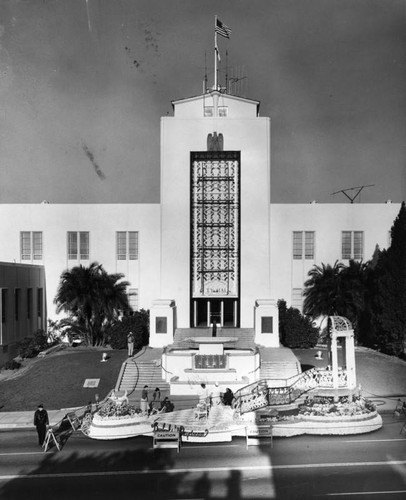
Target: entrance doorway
223	311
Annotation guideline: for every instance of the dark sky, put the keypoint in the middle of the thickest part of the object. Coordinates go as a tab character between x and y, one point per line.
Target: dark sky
83	85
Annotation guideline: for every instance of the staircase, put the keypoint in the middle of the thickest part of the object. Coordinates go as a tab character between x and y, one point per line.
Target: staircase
136	374
278	370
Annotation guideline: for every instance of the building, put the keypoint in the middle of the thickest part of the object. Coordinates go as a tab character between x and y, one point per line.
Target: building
215	249
23	305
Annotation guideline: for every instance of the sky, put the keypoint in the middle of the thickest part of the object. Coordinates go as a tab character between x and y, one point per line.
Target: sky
83	84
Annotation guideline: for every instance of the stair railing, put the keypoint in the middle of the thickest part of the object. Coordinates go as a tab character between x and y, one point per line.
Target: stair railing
258	395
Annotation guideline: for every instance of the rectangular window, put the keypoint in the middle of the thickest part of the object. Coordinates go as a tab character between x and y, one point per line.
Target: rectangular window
31	245
78	245
297	298
39	302
3	306
352	245
127	245
133	298
29	303
84	245
37	245
223	111
17	298
72	245
208	111
303	245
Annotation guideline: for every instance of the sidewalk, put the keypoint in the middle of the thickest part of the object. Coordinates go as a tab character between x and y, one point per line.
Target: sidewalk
23	420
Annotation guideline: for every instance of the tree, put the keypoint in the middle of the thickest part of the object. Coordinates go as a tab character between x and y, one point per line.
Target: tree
93	299
295	330
389	303
323	290
338	290
137	322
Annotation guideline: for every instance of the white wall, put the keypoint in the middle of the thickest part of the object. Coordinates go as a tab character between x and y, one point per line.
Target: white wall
328	221
102	221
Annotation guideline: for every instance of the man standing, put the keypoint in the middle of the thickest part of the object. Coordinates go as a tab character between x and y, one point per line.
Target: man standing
130	343
41	422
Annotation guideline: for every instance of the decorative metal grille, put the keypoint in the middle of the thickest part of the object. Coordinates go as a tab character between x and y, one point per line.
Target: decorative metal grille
215	207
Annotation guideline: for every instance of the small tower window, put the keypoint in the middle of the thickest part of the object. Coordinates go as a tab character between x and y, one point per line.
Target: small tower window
223	111
208	111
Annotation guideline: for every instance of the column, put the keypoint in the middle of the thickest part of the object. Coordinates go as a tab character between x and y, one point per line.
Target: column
350	362
334	360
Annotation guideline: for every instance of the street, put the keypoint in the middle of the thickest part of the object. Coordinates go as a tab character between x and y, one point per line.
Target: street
371	466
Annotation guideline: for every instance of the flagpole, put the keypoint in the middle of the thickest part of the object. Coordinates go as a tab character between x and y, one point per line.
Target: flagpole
215	53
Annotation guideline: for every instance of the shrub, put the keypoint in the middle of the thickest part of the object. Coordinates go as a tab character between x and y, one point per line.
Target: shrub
29	347
138	323
12	364
295	330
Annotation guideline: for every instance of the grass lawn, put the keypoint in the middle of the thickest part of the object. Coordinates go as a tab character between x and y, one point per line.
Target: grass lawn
57	380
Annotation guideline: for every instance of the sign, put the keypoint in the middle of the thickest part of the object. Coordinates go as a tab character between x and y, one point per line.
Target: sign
91	383
252	434
166	439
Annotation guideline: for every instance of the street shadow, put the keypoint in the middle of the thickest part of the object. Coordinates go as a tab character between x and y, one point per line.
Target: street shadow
95	473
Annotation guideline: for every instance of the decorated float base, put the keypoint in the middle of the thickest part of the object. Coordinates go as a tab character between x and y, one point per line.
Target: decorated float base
222	423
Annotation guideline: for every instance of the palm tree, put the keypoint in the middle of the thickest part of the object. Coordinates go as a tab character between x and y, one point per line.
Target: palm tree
323	290
92	298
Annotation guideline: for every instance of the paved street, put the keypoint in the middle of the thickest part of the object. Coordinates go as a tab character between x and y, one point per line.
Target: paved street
371	466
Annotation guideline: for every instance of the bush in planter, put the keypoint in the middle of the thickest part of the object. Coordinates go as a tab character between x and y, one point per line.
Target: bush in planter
138	323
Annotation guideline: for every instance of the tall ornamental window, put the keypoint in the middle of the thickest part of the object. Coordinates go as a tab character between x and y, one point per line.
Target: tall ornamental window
78	245
133	298
303	245
31	245
352	245
127	245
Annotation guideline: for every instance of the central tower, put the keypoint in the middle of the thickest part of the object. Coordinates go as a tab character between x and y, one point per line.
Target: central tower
215	217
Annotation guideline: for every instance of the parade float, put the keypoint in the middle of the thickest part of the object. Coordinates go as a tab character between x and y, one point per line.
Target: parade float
318	401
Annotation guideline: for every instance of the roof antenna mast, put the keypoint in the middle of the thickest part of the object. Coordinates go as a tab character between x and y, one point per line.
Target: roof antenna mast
353	197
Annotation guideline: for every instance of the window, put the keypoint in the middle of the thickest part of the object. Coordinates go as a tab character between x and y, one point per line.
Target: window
127	245
29	303
208	111
303	244
223	111
3	306
39	302
133	298
352	245
17	298
297	298
78	245
31	245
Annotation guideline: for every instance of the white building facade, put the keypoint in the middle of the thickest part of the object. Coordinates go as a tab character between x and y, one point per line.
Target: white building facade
215	249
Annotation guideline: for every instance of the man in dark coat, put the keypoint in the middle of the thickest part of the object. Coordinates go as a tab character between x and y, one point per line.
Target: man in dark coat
41	422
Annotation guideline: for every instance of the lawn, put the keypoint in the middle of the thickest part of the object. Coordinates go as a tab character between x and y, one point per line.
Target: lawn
57	380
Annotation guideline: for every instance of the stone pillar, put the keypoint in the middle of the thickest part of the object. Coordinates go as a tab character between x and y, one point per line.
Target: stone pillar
266	323
162	322
350	362
334	361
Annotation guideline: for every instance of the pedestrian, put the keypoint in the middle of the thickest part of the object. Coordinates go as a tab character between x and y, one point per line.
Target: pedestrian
156	400
130	344
144	399
167	406
215	396
41	422
228	397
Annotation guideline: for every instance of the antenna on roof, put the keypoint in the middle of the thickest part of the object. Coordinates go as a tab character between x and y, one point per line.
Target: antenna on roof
358	188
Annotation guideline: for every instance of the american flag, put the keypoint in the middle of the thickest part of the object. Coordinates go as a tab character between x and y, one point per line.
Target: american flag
222	29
